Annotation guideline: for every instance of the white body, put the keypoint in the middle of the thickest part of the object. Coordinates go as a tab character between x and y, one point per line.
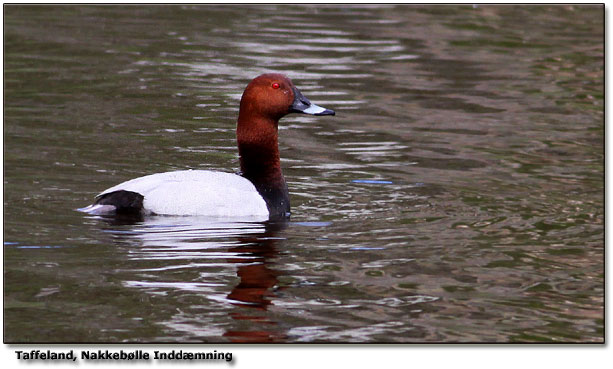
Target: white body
194	192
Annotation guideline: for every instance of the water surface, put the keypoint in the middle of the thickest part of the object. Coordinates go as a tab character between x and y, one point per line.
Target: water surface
457	195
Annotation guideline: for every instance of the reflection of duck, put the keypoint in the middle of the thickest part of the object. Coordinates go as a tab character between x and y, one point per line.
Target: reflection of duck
163	245
257	281
259	191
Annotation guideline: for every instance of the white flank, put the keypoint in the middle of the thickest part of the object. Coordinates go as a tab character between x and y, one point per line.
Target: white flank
197	192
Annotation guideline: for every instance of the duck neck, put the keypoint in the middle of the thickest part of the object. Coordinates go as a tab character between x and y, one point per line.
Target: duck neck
258	149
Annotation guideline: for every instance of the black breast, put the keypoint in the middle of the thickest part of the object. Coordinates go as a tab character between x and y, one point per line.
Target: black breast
275	194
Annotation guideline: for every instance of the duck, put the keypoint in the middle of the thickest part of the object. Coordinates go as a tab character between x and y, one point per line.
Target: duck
258	190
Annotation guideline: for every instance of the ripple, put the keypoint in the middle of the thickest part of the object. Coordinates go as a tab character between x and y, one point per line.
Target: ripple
313	224
406	300
186	286
385	262
302	31
336	40
361	334
371	150
316	47
371	181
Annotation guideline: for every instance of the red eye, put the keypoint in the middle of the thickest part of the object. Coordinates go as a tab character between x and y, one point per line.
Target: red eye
275	85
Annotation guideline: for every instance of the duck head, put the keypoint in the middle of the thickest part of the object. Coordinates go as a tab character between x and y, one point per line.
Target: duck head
273	96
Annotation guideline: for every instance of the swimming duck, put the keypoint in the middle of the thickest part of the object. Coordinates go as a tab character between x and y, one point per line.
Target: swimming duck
259	190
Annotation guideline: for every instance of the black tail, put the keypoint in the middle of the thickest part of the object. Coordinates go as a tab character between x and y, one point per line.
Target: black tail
125	202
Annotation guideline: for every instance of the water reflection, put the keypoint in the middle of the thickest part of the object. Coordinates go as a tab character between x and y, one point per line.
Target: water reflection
257	285
214	251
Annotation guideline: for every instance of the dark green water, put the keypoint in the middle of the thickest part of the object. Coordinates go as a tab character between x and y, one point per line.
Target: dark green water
457	195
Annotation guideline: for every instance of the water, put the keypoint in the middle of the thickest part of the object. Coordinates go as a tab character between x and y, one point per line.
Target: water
457	195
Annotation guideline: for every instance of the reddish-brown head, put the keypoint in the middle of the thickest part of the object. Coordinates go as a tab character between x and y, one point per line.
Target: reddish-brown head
268	96
272	96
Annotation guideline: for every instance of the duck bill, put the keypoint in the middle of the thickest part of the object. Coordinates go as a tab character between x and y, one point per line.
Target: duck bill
302	105
317	110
